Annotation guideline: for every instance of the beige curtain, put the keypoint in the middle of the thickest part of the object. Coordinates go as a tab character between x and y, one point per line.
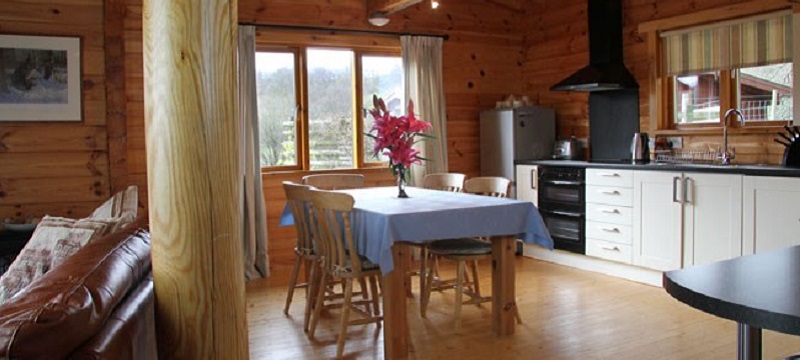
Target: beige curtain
755	41
256	263
422	64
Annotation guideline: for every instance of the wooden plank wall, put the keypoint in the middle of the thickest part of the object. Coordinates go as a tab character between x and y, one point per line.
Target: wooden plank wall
58	168
557	45
482	64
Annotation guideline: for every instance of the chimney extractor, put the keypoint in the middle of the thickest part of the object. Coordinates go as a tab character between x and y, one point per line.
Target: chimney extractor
606	69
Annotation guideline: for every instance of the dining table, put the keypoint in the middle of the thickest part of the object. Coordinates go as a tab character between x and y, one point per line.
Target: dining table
385	226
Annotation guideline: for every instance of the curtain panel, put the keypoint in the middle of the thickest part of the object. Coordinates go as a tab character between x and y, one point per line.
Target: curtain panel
422	65
755	41
256	263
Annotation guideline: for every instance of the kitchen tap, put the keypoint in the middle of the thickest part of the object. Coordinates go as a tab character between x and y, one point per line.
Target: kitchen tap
725	156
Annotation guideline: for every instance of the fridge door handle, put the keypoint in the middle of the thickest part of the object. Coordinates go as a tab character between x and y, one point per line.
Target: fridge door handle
533	179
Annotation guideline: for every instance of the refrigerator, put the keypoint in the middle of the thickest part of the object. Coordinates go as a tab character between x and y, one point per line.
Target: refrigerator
507	135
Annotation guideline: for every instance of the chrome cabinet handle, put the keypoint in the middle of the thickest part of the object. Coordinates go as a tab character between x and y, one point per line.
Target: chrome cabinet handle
685	189
614	211
606	192
675	189
609	248
611	230
609	174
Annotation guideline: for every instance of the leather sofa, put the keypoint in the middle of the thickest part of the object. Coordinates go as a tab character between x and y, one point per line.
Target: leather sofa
97	304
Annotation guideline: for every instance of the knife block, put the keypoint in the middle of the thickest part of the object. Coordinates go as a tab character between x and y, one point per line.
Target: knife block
791	155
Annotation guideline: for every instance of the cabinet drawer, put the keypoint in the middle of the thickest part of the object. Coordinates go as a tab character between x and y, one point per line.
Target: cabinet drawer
610	195
609	177
614	214
621	234
609	251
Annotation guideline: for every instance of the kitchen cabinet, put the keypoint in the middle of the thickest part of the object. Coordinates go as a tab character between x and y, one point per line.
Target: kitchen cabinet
771	213
609	214
684	219
527	183
657	220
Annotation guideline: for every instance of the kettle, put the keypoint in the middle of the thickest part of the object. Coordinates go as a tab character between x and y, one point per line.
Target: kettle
640	149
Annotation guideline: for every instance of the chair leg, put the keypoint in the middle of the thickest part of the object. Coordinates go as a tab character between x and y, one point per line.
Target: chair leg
423	259
426	291
311	292
323	284
292	282
475	284
362	283
459	293
373	286
348	293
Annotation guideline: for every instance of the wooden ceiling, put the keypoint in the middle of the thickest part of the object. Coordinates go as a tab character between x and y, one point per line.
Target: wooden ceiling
389	7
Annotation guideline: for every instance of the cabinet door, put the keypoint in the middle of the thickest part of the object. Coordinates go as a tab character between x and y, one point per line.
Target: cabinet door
712	220
657	221
527	182
771	213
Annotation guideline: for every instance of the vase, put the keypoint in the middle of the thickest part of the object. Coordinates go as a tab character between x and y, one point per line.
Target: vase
401	182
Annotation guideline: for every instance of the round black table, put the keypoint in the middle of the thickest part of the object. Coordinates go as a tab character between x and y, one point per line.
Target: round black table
760	291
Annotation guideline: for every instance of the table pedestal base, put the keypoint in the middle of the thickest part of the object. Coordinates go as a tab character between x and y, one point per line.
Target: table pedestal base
749	338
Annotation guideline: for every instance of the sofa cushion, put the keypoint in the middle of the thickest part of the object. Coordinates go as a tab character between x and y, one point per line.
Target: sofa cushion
53	241
122	207
70	303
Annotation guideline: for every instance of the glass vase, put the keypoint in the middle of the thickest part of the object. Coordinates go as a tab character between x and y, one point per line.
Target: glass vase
401	181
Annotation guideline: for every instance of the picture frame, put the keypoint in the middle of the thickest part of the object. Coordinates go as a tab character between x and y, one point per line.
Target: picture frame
40	78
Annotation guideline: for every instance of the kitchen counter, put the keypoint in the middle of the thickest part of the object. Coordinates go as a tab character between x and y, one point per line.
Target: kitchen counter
744	169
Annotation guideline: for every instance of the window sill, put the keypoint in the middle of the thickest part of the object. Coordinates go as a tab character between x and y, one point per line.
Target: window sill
718	130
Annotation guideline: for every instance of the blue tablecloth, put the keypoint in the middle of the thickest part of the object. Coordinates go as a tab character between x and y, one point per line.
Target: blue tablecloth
380	218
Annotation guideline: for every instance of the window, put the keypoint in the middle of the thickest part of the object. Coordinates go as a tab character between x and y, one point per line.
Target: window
705	69
334	85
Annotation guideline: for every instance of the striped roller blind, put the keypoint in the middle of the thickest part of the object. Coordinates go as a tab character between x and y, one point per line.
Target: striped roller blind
755	41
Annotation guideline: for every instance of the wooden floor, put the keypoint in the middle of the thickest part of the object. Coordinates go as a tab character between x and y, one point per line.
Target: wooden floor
566	313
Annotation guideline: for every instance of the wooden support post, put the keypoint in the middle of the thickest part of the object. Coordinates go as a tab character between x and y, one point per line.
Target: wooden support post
395	329
503	285
194	178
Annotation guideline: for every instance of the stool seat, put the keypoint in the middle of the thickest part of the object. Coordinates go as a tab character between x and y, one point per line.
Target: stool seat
463	246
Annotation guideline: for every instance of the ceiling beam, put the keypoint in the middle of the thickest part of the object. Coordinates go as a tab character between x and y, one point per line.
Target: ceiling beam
389	7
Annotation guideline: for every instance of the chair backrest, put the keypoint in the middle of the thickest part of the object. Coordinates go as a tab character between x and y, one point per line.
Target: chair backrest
333	231
299	198
444	181
334	181
488	185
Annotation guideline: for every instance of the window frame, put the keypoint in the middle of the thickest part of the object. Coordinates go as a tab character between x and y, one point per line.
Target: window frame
661	87
300	48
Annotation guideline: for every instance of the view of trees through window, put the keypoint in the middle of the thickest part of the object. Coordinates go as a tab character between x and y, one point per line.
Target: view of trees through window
330	109
331	118
277	108
381	76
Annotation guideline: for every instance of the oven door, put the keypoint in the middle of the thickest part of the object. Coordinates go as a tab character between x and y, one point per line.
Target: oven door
561	191
566	227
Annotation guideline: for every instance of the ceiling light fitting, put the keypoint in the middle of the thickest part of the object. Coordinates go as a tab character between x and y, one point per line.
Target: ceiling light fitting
378	19
434	4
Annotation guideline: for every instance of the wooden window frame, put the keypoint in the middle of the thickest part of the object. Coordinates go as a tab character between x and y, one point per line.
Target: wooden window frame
661	88
300	42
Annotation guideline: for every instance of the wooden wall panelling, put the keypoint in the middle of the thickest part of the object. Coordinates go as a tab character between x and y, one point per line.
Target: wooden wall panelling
556	45
116	102
58	168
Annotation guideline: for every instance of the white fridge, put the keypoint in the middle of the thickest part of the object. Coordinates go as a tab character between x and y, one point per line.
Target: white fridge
507	135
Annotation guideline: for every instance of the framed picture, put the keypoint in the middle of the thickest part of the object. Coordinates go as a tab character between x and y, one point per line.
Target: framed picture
40	78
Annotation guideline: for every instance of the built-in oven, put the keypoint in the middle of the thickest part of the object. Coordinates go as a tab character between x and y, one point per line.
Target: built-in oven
562	205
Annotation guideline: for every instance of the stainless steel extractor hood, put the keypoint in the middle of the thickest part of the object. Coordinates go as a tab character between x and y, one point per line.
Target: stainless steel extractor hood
606	69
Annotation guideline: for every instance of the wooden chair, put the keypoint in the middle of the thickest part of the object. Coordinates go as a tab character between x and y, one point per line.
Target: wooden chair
341	260
464	250
453	182
299	198
334	181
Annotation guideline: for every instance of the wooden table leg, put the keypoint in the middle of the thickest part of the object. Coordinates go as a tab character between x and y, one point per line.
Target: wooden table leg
395	320
503	285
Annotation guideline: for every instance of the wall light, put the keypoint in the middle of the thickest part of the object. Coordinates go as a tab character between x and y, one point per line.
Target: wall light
378	19
434	4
